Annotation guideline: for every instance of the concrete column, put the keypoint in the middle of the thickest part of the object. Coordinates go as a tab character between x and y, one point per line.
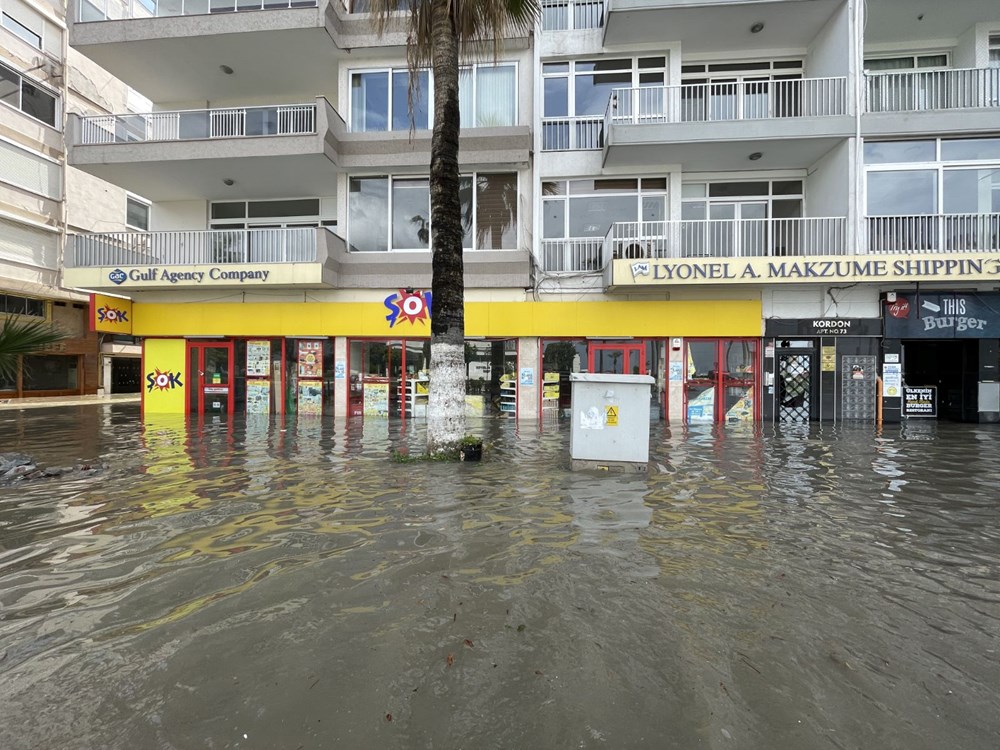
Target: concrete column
675	387
341	385
528	396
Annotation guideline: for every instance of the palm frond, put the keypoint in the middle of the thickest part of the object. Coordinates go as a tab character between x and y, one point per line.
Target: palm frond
19	338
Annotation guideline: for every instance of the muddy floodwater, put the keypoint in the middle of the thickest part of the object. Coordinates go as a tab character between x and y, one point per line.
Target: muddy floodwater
287	586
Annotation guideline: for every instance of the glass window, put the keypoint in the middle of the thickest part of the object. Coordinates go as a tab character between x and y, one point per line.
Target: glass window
19	29
50	372
994	51
296	207
496	96
370	101
368	211
730	189
593	216
496	211
411	214
136	214
229	210
594	91
895	152
902	193
970	149
38	103
553	219
10	87
971	191
556	102
401	101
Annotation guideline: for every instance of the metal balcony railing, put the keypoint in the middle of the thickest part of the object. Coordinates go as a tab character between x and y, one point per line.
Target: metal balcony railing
213	247
929	90
934	233
572	133
726	238
567	15
572	254
118	10
195	124
721	102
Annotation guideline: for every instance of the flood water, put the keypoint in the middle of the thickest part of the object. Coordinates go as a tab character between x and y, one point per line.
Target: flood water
288	586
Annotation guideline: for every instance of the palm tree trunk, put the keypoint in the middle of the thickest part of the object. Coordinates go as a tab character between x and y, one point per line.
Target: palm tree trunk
446	403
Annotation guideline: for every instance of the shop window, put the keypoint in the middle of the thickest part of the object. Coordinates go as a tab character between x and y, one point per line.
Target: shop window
720	384
16	305
389	377
50	372
491	377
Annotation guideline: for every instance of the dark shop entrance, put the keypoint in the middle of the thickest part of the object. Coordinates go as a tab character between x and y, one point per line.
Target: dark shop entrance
952	369
943	349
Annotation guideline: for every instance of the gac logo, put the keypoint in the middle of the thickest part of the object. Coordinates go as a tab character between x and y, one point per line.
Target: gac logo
118	276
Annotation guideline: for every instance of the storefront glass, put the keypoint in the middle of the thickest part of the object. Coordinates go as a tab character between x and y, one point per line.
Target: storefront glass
721	384
491	377
50	372
622	357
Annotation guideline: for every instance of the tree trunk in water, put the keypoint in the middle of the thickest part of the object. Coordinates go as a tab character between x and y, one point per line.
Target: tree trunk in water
446	402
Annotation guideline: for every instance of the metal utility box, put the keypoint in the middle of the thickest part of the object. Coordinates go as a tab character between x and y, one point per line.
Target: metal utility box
610	423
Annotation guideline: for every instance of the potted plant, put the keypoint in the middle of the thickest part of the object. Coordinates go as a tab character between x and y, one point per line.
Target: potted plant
471	448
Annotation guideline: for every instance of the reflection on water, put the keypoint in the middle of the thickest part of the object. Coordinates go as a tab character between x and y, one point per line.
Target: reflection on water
286	585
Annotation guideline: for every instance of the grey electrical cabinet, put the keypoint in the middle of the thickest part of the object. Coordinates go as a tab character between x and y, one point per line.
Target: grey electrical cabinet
610	423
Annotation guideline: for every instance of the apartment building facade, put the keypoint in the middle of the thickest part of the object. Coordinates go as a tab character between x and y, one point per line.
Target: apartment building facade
783	211
42	199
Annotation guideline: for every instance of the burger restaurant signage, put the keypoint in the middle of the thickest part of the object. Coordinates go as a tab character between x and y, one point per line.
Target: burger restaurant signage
948	315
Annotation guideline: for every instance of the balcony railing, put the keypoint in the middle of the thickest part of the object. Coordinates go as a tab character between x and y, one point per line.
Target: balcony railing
726	238
941	233
928	90
572	133
567	15
117	10
213	247
196	124
721	102
572	254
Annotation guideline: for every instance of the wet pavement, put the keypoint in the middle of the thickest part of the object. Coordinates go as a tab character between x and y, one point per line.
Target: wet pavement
289	586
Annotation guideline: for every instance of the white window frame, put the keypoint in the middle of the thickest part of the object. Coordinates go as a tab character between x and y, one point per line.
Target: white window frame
572	73
430	92
20	30
143	202
914	58
391	178
20	93
566	197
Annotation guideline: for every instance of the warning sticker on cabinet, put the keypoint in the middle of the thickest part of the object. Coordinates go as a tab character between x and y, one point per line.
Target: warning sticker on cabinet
611	416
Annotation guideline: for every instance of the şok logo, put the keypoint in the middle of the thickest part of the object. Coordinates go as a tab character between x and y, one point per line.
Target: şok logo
409	305
118	276
111	315
163	381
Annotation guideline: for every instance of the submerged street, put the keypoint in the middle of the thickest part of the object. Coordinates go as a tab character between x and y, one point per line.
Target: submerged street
279	586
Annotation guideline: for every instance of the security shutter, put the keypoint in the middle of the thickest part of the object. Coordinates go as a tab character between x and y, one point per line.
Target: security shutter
29	171
24	244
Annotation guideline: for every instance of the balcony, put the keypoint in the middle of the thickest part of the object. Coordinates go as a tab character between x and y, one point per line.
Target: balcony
931	101
940	233
708	238
572	15
282	150
712	126
198	50
572	133
298	257
720	25
135	261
